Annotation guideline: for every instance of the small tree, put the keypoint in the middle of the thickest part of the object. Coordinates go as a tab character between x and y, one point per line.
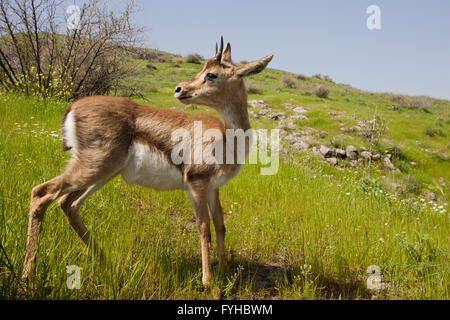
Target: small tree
373	129
40	54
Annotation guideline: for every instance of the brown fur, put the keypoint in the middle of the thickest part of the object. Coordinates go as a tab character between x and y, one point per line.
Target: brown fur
106	128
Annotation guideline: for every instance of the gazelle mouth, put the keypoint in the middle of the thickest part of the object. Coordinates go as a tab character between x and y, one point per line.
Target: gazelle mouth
184	98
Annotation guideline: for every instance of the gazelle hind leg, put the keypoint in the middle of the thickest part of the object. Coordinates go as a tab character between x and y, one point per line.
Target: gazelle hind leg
41	197
71	204
219	225
75	178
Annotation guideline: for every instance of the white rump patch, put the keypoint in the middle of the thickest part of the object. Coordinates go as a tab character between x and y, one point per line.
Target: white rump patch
147	166
69	134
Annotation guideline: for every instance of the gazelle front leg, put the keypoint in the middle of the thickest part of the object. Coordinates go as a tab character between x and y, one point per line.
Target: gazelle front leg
217	216
198	194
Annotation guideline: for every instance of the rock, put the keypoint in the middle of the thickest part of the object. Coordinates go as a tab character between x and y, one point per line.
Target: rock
340	153
388	164
332	161
366	155
263	112
432	196
296	137
258	104
442	181
301	146
333	114
351	152
252	114
299	117
277	116
413	163
316	152
353	163
376	157
287	124
296	108
351	149
388	155
300	110
326	152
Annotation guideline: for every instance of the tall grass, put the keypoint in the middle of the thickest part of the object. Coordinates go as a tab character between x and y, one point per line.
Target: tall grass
308	232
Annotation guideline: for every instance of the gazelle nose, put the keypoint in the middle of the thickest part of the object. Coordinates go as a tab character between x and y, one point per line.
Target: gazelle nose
178	89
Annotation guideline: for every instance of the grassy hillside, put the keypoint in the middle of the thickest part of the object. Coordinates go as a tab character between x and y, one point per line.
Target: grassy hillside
309	232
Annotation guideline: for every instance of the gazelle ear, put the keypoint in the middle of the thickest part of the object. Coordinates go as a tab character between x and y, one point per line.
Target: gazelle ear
226	55
254	67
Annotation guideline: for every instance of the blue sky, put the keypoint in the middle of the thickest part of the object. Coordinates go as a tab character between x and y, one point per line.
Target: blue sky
410	54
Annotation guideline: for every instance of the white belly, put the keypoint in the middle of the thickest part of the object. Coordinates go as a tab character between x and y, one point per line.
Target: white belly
222	179
147	166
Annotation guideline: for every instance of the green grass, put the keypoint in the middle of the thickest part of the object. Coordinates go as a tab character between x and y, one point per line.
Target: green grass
308	232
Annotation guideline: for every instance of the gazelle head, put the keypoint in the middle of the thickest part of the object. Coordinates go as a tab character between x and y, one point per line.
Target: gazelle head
220	80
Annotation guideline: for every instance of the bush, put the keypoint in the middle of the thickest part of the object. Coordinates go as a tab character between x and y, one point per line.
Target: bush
151	66
402	165
301	77
317	76
289	82
411	185
194	58
420	103
369	185
431	132
162	58
440	157
399	99
253	88
327	78
397	152
175	64
321	91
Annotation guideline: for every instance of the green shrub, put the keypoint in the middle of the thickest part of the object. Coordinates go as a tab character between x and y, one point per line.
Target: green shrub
151	66
321	91
420	103
397	152
253	88
327	78
289	82
431	132
301	77
194	58
411	185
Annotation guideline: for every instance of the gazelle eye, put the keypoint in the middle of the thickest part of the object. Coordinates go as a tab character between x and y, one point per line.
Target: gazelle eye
211	76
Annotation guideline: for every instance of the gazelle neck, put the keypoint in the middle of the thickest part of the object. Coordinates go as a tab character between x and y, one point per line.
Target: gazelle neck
235	110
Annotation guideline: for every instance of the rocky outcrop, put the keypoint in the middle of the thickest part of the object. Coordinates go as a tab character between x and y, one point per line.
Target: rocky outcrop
258	104
277	116
340	153
326	152
351	152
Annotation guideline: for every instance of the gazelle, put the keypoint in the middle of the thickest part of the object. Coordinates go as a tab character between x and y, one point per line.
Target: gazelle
108	136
